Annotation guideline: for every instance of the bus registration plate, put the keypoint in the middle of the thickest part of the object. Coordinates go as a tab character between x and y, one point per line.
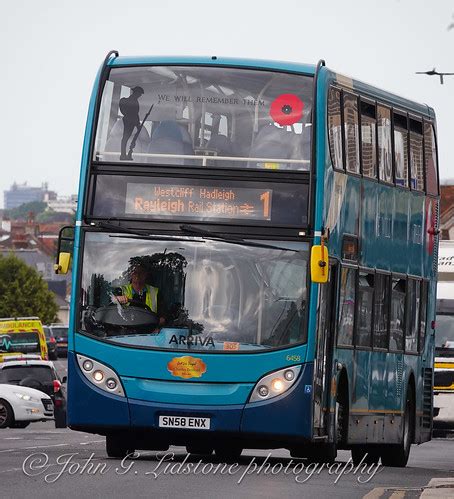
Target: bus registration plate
184	422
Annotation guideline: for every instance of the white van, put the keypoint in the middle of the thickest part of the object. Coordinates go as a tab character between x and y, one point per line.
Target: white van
444	340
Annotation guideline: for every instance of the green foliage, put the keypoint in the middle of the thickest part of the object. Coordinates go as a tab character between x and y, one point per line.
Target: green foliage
50	216
22	211
23	292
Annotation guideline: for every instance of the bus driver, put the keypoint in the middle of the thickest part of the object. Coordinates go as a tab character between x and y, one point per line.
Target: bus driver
139	291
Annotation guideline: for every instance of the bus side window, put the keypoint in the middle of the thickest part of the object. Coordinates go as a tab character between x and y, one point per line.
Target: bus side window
351	131
335	127
412	322
384	144
401	149
416	155
347	307
368	139
423	314
381	311
430	159
364	310
397	322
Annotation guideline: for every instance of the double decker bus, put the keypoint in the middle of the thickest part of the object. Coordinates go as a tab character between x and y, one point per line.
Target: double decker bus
254	261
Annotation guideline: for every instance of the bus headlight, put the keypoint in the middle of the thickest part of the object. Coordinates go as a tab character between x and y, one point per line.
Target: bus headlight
274	384
100	375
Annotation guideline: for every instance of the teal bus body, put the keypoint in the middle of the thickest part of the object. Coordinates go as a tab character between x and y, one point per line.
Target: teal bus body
371	384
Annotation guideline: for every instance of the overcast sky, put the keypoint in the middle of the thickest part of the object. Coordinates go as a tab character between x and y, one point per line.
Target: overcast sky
51	50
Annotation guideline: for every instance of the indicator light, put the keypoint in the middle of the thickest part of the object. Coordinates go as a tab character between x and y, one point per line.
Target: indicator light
263	391
111	384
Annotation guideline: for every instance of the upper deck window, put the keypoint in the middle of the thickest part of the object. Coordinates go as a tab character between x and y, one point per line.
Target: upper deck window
335	127
384	144
430	158
351	131
401	149
416	155
368	139
205	117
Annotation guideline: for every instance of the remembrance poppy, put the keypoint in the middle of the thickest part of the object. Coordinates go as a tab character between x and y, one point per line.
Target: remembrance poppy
286	109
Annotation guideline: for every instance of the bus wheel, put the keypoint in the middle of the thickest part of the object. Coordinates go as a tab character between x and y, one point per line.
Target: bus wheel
397	455
117	446
323	453
201	450
368	454
228	453
6	414
341	417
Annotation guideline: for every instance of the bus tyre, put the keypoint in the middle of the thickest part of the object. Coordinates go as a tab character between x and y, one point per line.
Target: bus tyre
6	414
397	455
200	450
60	419
117	447
368	454
228	453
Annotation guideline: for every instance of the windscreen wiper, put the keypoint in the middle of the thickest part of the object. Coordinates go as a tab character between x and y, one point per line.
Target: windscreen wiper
134	232
208	234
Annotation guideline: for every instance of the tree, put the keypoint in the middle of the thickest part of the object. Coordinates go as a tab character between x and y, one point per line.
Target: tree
23	292
22	211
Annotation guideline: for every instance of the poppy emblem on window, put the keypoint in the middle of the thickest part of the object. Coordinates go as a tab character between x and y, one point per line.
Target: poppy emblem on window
286	109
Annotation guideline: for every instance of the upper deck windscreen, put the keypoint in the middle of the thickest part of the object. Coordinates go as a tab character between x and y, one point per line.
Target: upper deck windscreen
205	117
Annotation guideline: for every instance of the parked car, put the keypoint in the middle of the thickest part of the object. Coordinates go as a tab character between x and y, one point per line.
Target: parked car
60	332
20	406
51	343
38	374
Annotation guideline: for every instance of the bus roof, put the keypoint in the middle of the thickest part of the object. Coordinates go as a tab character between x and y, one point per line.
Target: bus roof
213	61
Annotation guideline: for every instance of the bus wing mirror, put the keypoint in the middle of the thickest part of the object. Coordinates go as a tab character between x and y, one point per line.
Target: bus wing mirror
319	263
62	266
64	249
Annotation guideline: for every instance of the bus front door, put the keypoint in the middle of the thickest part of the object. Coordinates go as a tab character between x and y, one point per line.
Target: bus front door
323	363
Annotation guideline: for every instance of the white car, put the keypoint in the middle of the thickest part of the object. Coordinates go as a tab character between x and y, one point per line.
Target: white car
20	405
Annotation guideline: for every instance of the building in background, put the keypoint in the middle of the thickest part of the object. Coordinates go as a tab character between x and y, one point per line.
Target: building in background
20	194
62	204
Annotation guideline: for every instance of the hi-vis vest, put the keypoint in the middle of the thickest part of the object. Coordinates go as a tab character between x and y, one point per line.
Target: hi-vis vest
151	296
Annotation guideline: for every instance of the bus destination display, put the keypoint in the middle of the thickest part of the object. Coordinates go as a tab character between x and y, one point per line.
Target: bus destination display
198	201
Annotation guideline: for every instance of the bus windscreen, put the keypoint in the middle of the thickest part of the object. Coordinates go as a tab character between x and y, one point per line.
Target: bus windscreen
198	293
206	117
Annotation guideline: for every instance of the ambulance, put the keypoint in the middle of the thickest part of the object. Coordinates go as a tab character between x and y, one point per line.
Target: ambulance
22	336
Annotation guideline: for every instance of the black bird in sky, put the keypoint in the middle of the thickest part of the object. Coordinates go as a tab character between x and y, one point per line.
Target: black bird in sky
433	72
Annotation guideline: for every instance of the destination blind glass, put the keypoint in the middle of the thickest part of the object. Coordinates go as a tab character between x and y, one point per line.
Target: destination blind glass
130	197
